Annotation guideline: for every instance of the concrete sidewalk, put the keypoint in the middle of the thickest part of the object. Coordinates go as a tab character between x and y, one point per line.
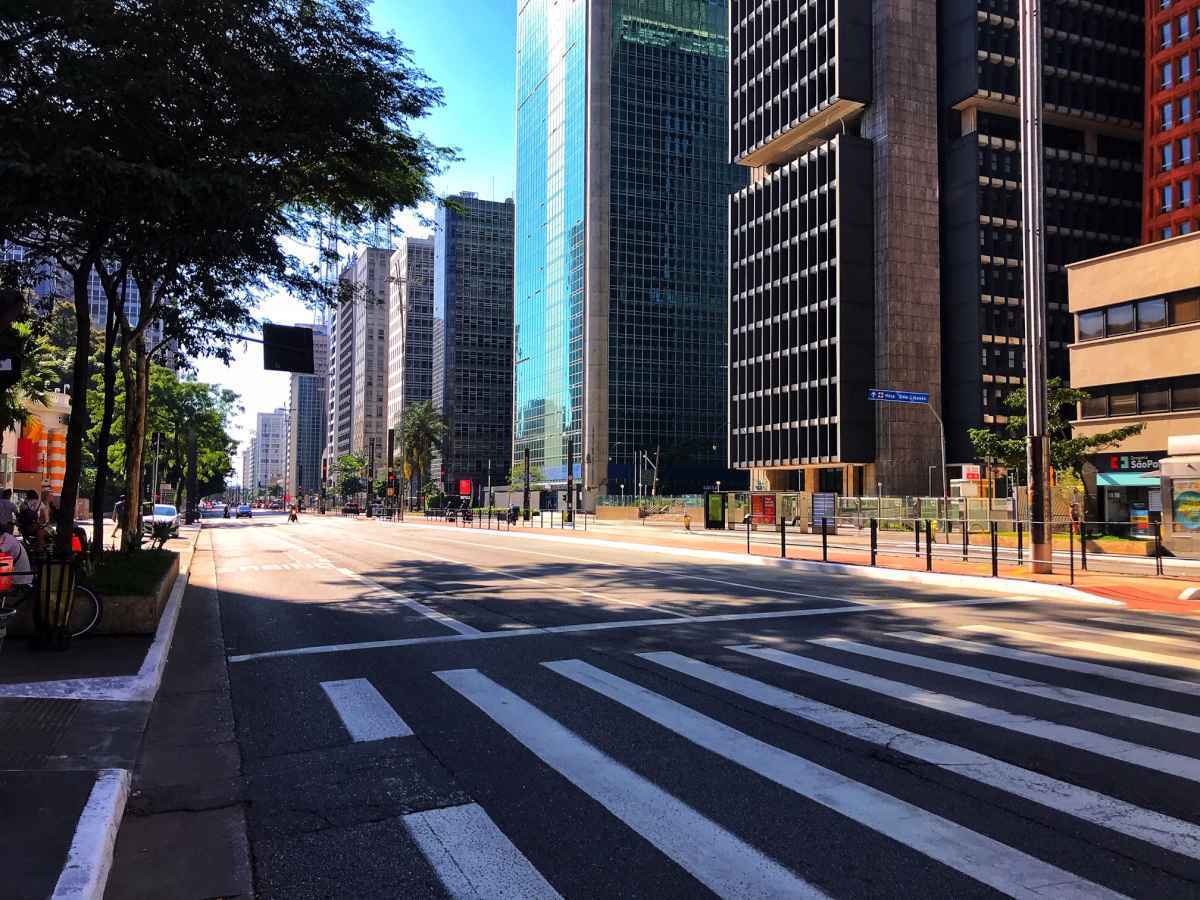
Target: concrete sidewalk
1137	592
72	726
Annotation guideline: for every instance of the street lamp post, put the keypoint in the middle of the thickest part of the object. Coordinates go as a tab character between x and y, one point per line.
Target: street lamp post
1029	30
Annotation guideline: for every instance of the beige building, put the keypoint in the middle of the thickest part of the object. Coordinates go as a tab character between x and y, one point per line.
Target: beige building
1137	352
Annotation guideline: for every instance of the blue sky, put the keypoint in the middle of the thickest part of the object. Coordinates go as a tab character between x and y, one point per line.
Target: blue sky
467	48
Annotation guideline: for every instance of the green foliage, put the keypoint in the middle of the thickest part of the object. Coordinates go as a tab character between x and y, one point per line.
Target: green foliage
516	477
1067	453
38	374
422	430
348	470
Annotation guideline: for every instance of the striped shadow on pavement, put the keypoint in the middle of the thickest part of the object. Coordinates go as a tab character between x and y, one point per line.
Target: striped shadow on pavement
472	857
975	855
1091	806
721	861
1113	749
364	712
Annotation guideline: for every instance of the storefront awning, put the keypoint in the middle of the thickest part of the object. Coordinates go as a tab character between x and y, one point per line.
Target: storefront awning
1127	479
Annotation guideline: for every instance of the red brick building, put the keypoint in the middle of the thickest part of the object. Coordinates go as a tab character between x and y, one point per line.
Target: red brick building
1172	159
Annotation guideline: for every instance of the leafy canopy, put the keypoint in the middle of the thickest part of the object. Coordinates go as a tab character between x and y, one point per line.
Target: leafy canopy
1067	453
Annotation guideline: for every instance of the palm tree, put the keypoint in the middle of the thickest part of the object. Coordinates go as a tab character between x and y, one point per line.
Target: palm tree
422	429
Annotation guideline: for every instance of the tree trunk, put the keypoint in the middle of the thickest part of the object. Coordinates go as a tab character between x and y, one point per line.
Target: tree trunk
76	423
135	441
104	436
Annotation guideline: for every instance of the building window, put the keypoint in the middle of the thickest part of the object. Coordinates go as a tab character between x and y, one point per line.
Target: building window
1154	396
1185	308
1166	232
1152	313
1185	150
1119	319
1091	325
1165	35
1168	153
1168	116
1185	193
1095	406
1185	393
1185	110
1123	401
1166	75
1185	67
1168	198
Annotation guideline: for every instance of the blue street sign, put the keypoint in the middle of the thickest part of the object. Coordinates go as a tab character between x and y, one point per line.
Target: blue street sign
897	396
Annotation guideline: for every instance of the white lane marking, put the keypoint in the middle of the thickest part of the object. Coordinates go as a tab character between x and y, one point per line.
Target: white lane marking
1111	748
607	626
473	858
1180	662
1125	708
364	712
90	855
1129	676
720	860
427	611
975	855
1148	637
1091	806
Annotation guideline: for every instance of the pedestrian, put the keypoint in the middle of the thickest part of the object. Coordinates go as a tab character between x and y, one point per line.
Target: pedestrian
293	515
22	570
31	518
8	509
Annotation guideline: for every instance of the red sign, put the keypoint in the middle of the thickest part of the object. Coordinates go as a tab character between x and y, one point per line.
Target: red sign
464	487
762	508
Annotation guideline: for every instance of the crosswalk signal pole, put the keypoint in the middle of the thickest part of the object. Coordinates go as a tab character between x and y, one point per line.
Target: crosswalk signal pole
1034	276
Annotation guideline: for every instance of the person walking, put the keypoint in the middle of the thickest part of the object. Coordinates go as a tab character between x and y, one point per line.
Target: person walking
118	520
8	509
31	518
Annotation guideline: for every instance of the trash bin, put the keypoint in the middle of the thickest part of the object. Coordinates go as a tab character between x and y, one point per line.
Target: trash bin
52	605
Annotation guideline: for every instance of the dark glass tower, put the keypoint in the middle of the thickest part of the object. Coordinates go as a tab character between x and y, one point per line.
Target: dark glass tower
472	339
623	182
1093	58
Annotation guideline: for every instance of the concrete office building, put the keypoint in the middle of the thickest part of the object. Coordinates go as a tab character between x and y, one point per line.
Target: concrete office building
879	243
248	483
270	448
623	179
472	341
1137	352
307	427
369	383
1172	160
340	386
410	327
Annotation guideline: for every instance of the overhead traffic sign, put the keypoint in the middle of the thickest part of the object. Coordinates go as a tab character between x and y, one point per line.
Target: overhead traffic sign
879	394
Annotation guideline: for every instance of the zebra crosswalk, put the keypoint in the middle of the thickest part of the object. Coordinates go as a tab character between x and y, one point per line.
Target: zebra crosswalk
965	787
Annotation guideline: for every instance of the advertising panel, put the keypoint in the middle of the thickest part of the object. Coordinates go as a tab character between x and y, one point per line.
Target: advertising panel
1186	504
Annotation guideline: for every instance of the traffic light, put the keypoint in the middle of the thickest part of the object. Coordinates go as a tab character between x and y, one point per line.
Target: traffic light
391	483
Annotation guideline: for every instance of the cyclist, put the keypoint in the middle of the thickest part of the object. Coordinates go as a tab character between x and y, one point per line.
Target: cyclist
32	517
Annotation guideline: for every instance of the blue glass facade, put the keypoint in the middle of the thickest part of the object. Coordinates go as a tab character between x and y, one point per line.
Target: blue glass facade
623	186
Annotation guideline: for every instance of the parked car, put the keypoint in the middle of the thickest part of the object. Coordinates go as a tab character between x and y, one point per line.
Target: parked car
245	512
160	514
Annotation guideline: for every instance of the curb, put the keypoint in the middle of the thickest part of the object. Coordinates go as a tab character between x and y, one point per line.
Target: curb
140	687
91	853
1190	594
901	576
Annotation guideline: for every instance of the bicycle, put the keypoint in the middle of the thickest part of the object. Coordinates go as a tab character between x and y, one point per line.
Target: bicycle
86	610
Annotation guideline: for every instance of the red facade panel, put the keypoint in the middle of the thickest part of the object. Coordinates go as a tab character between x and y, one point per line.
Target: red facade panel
1170	203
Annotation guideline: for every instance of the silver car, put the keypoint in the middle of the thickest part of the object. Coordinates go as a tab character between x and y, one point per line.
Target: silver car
160	513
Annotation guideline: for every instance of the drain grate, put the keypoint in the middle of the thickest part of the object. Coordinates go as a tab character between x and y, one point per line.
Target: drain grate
31	729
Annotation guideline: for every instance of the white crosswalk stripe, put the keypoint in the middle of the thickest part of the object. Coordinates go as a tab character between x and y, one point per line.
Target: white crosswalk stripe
718	859
364	711
1114	749
1126	708
986	860
473	858
1091	806
1115	650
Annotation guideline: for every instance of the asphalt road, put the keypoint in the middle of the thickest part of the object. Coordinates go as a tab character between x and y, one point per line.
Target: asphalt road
431	713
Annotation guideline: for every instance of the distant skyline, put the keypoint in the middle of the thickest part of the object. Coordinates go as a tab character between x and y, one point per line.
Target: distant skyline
472	59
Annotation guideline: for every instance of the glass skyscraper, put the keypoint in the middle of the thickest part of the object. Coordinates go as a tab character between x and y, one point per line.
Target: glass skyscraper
623	184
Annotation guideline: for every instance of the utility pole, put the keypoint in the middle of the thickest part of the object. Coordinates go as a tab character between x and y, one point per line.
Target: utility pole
371	477
571	477
526	501
1034	276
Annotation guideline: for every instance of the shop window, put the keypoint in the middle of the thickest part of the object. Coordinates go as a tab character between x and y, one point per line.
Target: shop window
1154	396
1120	319
1152	313
1122	401
1095	406
1091	325
1185	308
1185	393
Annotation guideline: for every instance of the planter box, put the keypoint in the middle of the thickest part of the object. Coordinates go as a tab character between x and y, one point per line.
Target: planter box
122	614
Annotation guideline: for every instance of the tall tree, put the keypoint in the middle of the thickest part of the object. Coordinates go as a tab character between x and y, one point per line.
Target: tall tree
422	429
185	139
